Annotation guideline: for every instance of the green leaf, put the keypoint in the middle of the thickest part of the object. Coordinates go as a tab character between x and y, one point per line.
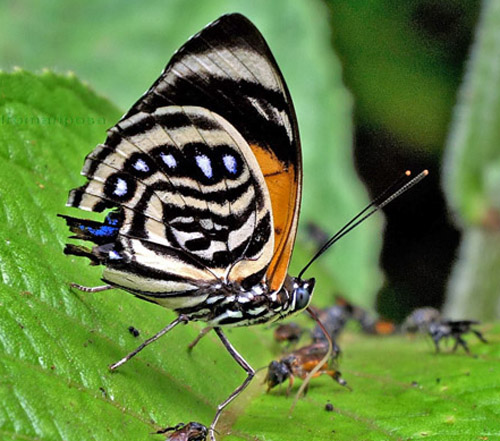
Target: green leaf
472	160
55	343
472	177
402	390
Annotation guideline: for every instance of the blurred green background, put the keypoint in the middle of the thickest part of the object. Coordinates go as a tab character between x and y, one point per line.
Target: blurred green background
379	87
402	63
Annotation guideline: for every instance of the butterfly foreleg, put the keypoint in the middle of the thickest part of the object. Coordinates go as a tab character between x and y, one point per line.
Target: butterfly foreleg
91	289
180	319
250	374
202	334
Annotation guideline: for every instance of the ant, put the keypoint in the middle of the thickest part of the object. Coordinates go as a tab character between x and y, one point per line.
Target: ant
186	432
299	363
455	329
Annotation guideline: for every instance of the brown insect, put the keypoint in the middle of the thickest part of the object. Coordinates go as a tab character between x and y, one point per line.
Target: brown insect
186	432
300	363
288	332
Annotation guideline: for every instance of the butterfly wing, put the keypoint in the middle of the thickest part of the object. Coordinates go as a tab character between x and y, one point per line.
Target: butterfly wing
191	205
229	69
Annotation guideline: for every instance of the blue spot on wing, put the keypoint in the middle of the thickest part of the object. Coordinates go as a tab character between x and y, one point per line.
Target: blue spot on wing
97	232
104	231
110	220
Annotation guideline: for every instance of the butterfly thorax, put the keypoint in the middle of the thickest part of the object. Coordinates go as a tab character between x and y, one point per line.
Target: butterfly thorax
233	305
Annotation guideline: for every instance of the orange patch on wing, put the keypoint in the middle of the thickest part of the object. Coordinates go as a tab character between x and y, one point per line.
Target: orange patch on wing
283	185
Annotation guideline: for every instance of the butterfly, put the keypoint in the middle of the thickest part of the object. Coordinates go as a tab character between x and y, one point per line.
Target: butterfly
202	182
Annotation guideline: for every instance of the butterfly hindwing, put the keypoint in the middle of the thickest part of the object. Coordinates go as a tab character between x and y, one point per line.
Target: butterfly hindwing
193	206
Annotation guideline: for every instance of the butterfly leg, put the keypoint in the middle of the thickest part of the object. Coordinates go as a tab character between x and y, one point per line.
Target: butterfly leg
202	334
250	374
180	319
90	289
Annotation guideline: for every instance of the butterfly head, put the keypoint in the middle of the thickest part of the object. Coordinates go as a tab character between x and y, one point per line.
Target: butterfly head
301	294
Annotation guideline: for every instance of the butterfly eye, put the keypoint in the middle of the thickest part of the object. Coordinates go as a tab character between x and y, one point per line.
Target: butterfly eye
302	293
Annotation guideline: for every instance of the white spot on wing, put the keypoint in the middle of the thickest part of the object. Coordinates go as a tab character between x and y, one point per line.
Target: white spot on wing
230	163
120	187
286	123
140	165
113	255
255	102
273	114
203	161
169	160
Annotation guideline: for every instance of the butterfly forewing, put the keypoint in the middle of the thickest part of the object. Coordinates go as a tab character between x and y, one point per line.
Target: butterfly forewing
229	69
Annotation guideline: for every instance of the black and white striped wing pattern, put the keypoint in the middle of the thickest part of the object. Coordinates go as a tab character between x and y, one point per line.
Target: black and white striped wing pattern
228	68
202	176
190	206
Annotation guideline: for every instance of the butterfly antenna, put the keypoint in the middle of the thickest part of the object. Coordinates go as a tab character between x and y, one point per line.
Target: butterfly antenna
389	190
378	203
324	360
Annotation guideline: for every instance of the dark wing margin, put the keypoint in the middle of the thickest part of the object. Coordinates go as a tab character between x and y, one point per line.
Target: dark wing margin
228	68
